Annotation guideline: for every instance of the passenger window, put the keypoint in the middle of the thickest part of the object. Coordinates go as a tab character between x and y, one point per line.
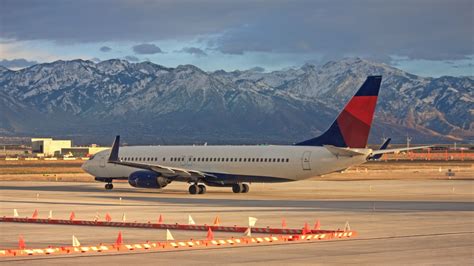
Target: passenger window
278	160
231	159
240	159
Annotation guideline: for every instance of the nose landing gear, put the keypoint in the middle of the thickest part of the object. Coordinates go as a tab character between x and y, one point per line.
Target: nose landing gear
109	186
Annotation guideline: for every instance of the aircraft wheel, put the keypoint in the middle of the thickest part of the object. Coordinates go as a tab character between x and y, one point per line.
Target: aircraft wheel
237	188
202	189
193	189
109	186
245	188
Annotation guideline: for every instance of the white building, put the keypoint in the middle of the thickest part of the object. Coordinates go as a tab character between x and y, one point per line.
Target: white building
48	146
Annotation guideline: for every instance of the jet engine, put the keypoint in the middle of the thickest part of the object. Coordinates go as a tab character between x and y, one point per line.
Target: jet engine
147	179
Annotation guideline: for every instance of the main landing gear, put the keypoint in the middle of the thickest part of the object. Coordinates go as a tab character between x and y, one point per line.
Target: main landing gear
197	189
109	186
240	188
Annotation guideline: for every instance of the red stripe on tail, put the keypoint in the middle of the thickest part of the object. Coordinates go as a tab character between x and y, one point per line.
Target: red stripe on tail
356	119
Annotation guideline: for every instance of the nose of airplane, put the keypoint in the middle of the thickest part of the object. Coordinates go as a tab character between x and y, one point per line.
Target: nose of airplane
85	166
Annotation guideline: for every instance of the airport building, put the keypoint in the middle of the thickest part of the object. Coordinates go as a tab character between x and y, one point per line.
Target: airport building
48	146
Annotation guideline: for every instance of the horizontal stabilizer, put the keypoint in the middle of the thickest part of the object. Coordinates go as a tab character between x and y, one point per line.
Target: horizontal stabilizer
345	152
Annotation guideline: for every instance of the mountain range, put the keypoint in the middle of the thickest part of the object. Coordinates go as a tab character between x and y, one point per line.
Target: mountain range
153	104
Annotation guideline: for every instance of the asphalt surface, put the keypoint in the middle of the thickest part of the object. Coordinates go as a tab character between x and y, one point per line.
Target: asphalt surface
398	221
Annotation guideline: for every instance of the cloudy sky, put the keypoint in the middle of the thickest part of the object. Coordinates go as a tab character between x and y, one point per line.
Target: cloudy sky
425	37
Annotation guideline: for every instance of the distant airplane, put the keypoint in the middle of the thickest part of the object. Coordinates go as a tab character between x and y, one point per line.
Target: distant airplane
341	146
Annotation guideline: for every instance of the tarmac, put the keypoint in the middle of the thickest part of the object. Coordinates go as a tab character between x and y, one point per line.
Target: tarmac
398	221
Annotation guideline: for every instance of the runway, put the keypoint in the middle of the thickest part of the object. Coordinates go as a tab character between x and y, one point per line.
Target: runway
398	221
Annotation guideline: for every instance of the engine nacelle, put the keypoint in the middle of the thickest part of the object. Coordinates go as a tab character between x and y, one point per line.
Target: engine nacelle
147	179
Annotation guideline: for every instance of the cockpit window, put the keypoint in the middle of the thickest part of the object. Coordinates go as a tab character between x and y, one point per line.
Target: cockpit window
92	157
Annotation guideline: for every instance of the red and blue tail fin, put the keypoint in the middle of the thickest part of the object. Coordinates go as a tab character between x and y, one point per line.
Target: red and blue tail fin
352	126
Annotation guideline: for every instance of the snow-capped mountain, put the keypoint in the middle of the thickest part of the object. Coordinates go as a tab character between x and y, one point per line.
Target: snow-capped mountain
149	103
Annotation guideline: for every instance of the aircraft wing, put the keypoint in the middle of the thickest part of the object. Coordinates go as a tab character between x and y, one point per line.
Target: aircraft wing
186	174
398	150
383	147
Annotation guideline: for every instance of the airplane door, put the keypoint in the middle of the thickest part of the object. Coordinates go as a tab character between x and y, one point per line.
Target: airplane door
305	160
102	161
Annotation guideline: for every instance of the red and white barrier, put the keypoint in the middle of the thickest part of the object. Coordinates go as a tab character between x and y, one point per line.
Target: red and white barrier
119	246
236	229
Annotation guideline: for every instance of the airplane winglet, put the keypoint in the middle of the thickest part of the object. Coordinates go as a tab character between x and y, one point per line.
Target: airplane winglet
115	150
383	147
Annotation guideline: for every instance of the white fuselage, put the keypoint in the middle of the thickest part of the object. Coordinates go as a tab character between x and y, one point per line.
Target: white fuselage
262	163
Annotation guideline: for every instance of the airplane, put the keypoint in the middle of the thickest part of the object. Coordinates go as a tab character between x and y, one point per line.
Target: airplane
341	146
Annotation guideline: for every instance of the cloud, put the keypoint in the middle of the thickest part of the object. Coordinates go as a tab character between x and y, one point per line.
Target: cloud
257	69
468	65
193	50
376	30
17	63
105	49
132	58
417	29
146	48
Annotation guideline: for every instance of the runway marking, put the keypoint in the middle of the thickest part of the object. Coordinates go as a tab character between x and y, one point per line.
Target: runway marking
230	247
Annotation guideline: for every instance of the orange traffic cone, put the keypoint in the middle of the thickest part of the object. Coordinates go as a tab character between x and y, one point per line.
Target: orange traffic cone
72	216
21	243
217	221
108	218
283	222
317	225
160	220
306	229
210	234
119	240
35	214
